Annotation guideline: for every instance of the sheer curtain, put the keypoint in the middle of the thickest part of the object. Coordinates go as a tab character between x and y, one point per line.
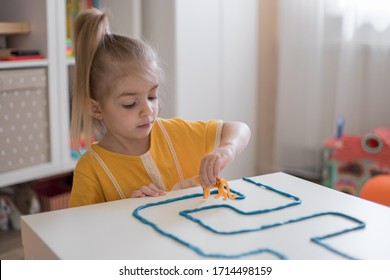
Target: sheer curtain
334	60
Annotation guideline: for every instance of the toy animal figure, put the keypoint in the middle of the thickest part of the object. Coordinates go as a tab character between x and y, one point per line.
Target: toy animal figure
223	190
26	200
5	211
16	201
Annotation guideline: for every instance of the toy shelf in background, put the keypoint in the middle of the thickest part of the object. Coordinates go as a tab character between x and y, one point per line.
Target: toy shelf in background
14	54
14	28
73	8
350	160
10	29
21	57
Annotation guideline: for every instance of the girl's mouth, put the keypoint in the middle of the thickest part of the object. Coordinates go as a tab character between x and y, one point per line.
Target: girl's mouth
146	125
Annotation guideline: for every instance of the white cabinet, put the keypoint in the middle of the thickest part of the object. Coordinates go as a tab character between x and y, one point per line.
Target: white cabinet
17	156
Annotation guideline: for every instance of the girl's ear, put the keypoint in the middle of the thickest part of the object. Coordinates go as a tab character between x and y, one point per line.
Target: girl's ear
96	111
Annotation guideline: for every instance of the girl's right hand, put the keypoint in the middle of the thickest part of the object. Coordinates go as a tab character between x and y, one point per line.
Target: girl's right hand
150	190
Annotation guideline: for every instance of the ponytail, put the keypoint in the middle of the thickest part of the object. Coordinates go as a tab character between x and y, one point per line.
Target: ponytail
89	29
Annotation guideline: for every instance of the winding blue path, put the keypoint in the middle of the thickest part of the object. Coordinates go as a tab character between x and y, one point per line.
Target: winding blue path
295	201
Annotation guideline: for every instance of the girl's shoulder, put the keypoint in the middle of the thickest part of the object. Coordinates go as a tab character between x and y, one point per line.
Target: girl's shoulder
91	156
180	123
184	130
172	122
85	157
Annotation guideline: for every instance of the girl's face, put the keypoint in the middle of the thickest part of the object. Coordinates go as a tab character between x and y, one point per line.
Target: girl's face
128	113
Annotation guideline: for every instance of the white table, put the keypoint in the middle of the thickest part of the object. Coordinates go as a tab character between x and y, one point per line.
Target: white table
110	231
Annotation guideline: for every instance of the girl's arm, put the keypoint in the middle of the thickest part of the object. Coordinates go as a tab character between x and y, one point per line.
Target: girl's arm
234	139
85	191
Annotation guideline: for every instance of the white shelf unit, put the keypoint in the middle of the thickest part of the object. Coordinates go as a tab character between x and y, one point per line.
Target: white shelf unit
41	15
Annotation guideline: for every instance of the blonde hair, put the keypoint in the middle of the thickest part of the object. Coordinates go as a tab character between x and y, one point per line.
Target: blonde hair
102	58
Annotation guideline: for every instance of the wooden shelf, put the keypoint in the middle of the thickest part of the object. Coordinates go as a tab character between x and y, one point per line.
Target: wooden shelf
24	64
14	28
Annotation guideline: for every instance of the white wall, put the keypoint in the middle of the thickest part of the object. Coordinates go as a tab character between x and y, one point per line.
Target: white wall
125	16
199	59
158	28
210	52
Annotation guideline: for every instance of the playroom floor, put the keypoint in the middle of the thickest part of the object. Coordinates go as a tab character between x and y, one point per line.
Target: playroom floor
11	247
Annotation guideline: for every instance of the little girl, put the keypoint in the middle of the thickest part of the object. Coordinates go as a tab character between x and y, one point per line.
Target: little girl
115	101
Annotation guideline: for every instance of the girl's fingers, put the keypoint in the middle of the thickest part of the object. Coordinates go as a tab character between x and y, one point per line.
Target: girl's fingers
150	190
156	189
210	170
207	170
137	194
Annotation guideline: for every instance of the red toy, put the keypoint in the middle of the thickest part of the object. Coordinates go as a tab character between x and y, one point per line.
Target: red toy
377	189
350	160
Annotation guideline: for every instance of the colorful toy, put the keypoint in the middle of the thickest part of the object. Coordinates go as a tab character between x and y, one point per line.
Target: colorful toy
350	160
377	189
14	202
223	190
5	212
26	199
69	48
82	147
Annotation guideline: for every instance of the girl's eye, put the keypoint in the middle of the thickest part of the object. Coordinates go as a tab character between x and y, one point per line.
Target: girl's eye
153	98
129	106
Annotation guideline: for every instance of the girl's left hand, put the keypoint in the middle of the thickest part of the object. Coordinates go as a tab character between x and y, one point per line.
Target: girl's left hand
150	190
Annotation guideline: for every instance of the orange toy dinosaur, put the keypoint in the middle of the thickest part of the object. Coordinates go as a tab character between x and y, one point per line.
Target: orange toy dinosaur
223	190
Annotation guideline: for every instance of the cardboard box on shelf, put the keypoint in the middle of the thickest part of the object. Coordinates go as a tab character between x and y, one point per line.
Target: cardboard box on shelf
14	28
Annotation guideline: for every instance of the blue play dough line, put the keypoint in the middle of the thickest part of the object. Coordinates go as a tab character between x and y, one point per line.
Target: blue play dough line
295	201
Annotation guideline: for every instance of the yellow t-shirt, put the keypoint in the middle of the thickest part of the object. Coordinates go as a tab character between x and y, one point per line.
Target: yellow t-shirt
172	162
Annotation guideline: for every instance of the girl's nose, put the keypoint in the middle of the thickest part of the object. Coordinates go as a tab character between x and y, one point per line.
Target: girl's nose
147	108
